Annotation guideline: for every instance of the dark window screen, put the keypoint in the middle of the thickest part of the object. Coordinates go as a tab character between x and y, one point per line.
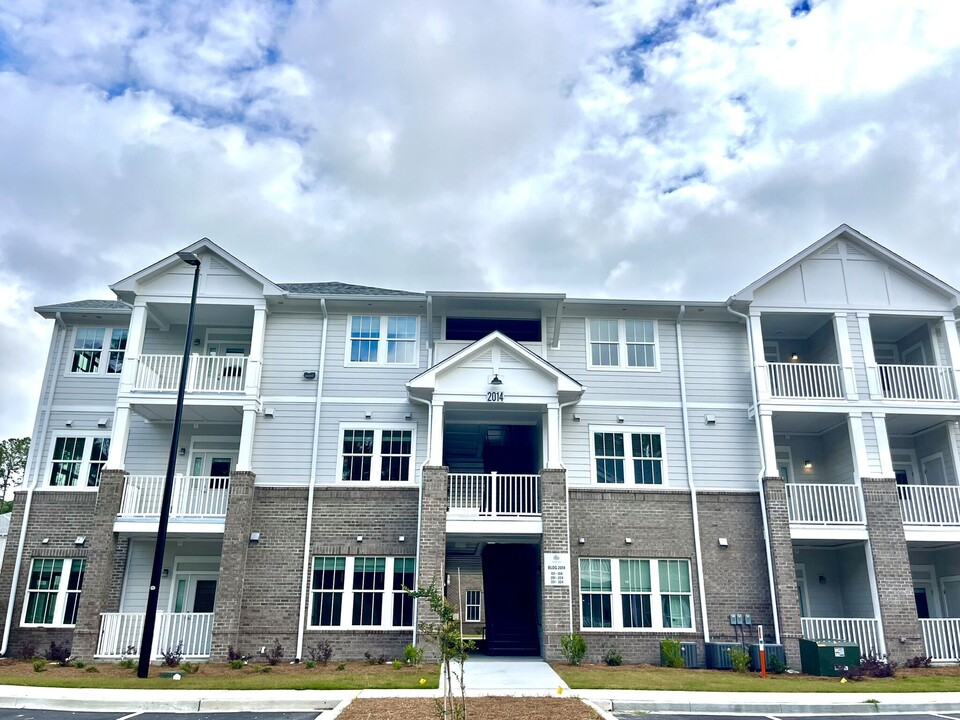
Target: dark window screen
476	328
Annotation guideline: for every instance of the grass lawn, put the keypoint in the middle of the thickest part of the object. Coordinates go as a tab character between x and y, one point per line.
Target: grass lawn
220	676
651	677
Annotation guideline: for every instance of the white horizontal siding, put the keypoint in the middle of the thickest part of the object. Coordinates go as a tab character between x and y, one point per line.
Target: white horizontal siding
725	455
291	346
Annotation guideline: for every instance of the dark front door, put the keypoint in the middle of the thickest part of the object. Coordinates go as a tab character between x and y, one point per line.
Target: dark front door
511	584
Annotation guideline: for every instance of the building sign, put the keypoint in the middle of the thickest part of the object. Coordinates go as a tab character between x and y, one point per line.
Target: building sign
556	568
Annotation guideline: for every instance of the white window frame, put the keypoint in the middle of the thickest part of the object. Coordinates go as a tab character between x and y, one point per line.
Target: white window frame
622	344
62	592
471	610
376	462
381	341
348	594
85	462
104	364
656	606
629	480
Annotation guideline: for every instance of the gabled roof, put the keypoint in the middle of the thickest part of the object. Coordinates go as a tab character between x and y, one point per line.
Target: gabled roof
871	246
127	285
343	289
427	380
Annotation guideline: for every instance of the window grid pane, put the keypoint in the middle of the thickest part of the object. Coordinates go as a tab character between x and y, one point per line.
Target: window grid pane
364	338
42	590
118	347
357	454
327	586
67	457
98	458
604	343
473	606
640	343
368	583
395	450
648	458
401	339
403	577
87	345
608	449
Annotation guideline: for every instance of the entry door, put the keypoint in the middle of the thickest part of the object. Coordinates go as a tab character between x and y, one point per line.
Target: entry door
210	495
194	593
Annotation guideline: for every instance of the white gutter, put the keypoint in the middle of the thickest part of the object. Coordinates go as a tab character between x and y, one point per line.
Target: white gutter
763	503
693	488
420	505
33	457
308	534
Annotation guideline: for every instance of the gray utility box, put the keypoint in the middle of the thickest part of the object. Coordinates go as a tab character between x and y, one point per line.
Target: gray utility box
769	650
717	655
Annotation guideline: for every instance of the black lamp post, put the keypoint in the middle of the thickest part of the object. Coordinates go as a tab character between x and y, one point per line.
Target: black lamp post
153	596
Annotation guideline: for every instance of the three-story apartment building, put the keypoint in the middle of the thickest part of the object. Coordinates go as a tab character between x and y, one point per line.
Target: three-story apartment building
624	469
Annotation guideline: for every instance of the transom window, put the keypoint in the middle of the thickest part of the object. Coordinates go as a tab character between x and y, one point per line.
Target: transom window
53	591
78	461
622	343
635	594
472	606
632	456
382	340
351	592
376	454
98	351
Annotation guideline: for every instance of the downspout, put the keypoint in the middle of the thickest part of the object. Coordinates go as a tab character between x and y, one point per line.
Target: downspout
33	457
566	490
308	534
693	488
420	505
763	504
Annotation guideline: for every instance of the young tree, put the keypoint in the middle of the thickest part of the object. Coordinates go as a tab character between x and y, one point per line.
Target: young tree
13	463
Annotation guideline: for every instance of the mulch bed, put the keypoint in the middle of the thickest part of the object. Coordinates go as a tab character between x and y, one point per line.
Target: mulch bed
482	708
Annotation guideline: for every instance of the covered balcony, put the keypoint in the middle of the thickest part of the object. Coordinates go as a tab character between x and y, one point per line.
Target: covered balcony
835	594
202	497
936	588
121	633
907	361
802	358
205	373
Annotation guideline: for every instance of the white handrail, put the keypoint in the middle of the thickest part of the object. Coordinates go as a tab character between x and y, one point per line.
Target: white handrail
205	373
494	495
917	382
864	632
805	380
120	634
929	504
941	638
192	497
824	503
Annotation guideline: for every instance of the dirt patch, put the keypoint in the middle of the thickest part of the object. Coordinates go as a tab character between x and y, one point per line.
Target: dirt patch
483	708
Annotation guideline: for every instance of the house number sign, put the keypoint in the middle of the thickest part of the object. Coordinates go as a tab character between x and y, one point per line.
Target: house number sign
556	568
495	396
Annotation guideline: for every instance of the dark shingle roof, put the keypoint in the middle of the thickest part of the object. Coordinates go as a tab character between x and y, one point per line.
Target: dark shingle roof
89	305
339	288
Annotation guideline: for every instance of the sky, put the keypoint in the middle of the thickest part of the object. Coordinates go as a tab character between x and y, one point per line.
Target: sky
660	149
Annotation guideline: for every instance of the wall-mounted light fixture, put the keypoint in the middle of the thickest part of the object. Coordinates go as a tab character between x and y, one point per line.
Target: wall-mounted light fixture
165	572
401	538
69	423
628	541
794	358
576	418
181	452
254	537
709	419
822	579
808	464
408	416
309	374
581	541
359	538
102	422
619	418
368	414
496	380
81	539
45	541
268	412
723	542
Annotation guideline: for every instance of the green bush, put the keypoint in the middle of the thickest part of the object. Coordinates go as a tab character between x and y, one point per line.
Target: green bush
396	664
39	665
238	663
92	669
670	654
78	664
740	659
776	665
413	655
311	664
341	666
127	663
612	657
574	648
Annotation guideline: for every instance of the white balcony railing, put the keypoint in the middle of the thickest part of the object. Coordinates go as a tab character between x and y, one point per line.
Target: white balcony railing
941	639
805	380
929	504
192	497
917	382
205	373
494	495
824	503
864	632
120	634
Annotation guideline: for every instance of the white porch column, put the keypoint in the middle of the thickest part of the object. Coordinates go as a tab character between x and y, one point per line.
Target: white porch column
436	435
245	458
553	437
861	463
869	359
255	360
846	355
953	350
118	438
759	359
883	445
131	359
770	468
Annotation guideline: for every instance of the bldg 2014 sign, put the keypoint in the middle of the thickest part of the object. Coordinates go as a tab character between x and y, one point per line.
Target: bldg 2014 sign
556	568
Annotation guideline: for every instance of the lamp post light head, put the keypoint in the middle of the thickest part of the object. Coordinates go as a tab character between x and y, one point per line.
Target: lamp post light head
189	258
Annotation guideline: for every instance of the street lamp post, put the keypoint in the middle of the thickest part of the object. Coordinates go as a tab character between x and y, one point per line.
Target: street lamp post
153	596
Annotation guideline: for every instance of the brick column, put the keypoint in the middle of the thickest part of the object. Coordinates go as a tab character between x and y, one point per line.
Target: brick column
784	567
432	541
891	566
98	577
233	562
555	611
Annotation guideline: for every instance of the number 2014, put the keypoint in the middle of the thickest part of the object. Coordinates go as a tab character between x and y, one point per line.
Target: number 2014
495	396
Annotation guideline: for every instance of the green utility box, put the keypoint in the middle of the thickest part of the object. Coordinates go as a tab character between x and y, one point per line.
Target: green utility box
821	657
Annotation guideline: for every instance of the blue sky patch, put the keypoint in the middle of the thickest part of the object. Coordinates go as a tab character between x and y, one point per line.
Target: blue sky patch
800	9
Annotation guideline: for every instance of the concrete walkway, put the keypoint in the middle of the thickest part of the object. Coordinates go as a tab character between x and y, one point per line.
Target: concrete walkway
503	675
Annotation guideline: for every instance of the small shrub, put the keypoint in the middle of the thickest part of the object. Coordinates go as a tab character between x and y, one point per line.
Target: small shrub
265	668
341	666
127	663
574	648
413	655
740	659
172	657
39	665
612	658
776	665
320	653
79	664
233	654
670	654
190	668
92	669
374	660
275	654
238	663
396	664
310	664
870	666
60	654
918	661
28	651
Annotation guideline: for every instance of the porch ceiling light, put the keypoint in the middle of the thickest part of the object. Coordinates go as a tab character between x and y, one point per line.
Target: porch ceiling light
808	465
496	380
794	358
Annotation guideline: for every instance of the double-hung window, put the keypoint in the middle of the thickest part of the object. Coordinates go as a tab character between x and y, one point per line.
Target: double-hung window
382	340
472	603
98	351
376	454
78	461
53	591
352	592
622	344
628	456
635	594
